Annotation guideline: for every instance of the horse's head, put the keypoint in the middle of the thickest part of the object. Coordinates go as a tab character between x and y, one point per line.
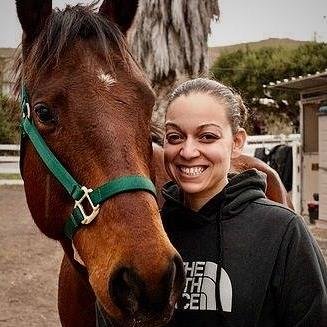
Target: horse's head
92	106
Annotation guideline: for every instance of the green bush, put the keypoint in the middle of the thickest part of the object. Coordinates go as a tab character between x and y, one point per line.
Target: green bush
9	120
247	70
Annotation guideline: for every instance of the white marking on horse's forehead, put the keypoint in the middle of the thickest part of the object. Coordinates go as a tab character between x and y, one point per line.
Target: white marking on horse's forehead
106	78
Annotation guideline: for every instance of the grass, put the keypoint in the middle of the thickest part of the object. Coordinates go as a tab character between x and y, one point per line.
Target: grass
10	176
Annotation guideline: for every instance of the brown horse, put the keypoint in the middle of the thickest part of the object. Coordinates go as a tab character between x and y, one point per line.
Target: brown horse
87	99
92	106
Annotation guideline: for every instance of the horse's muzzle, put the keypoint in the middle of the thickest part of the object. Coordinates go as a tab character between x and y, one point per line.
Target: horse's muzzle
131	295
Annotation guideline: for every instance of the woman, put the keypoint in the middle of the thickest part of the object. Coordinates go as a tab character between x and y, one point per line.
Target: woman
248	261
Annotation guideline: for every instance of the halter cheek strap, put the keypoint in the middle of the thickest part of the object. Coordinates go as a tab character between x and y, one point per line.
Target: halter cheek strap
80	194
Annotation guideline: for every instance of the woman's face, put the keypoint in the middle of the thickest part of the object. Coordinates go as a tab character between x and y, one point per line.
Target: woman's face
199	144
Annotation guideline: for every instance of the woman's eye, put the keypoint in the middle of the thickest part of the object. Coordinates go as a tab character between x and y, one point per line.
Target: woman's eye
173	138
44	114
208	138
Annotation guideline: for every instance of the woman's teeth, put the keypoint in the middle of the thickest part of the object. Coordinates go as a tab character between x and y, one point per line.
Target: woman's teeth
192	171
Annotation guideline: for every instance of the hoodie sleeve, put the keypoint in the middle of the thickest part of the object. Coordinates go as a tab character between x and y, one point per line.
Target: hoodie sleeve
300	279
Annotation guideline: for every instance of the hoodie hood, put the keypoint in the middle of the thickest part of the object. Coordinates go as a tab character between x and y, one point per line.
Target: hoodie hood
241	190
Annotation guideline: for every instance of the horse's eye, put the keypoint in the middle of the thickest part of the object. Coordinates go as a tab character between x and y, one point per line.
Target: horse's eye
44	114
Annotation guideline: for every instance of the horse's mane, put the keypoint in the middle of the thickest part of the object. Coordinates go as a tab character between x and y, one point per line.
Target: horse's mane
62	29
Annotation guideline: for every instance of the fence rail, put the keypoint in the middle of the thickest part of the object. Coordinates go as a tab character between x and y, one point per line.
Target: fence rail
9	165
9	147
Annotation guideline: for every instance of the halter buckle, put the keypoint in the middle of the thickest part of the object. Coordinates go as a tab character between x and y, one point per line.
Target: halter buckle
95	209
28	110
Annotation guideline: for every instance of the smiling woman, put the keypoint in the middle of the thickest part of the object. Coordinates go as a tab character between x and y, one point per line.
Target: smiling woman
248	261
201	143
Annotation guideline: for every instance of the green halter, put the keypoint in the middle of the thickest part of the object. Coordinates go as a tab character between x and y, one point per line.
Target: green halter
79	193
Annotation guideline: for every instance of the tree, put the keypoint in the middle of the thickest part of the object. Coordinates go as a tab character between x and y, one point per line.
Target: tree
169	40
248	70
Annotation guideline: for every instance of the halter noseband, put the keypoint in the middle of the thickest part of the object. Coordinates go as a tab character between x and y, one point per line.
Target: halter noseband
79	193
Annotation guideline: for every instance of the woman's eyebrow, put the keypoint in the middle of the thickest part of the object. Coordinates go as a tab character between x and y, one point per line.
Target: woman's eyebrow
203	126
172	125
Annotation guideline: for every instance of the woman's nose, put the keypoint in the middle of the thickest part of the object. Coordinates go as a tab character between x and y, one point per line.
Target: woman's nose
189	150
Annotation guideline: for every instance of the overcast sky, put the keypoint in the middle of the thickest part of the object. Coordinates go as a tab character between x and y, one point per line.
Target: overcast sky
240	21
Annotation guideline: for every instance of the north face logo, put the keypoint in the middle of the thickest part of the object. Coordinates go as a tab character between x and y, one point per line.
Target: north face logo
200	288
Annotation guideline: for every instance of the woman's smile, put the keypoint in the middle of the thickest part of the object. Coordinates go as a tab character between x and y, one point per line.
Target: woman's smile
193	171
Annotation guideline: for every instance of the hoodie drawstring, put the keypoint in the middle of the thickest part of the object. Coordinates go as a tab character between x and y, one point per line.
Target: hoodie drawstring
220	257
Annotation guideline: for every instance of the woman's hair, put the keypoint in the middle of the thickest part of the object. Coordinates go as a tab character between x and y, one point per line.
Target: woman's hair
236	109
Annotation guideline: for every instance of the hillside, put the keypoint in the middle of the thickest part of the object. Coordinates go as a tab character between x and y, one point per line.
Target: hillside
6	52
214	52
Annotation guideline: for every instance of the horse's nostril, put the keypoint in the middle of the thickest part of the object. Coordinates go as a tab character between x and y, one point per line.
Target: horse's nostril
125	289
131	295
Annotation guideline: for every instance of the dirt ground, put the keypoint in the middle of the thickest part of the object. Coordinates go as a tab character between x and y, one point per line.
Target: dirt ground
29	265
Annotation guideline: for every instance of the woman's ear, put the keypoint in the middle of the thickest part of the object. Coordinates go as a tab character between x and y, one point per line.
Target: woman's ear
239	142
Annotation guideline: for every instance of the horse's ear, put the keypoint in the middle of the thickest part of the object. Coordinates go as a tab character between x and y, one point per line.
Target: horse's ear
120	12
32	15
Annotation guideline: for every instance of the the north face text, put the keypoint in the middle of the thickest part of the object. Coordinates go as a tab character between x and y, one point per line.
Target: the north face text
200	288
199	292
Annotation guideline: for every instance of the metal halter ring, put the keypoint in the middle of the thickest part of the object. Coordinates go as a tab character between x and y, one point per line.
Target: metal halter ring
95	209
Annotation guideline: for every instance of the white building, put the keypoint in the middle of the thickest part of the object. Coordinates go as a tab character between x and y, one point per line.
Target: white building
313	129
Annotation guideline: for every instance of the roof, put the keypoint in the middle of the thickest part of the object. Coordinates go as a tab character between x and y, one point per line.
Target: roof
301	83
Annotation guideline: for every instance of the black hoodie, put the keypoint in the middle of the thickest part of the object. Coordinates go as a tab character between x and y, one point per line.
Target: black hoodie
270	268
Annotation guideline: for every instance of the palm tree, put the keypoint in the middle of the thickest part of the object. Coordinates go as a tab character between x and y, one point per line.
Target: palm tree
169	40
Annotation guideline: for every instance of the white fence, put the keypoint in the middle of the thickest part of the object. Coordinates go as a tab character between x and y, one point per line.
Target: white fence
9	164
270	141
